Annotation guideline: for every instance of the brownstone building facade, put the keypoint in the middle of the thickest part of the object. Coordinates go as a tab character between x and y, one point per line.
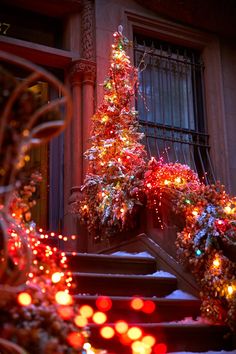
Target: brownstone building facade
188	82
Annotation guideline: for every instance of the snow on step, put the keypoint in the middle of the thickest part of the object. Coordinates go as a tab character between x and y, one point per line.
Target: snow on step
127	254
179	294
161	273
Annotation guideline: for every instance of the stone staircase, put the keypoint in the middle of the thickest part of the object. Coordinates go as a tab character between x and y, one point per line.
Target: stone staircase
122	278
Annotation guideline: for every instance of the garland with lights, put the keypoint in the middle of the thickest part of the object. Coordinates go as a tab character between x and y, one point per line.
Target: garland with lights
162	179
112	190
41	315
204	245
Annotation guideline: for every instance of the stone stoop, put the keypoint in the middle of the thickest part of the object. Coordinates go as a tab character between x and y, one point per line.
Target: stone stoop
175	321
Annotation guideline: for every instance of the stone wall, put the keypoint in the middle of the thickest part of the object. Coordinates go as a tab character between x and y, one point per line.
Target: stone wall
228	57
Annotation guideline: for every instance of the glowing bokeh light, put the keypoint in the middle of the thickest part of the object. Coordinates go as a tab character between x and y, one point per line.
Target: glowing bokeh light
216	263
99	317
121	327
87	346
139	347
24	299
136	303
63	298
80	321
134	333
195	212
227	209
107	332
56	277
230	290
86	311
178	180
149	340
75	339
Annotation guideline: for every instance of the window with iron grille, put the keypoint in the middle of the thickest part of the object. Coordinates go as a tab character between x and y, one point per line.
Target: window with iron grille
170	102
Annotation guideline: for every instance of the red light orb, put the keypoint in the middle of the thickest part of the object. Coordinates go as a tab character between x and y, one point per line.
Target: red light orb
149	307
66	312
75	339
103	303
160	348
125	340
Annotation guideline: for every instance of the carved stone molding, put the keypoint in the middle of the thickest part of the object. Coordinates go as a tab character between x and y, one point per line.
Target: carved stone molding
82	71
87	29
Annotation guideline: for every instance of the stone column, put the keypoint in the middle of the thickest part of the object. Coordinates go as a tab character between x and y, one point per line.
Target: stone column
76	77
82	79
88	55
88	107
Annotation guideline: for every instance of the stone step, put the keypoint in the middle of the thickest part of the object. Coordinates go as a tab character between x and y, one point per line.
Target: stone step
123	285
102	263
196	337
164	309
122	278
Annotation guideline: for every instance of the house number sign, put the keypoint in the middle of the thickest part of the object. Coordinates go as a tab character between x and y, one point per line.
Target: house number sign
4	27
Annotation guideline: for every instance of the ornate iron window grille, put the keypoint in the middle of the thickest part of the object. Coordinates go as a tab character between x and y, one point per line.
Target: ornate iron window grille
171	104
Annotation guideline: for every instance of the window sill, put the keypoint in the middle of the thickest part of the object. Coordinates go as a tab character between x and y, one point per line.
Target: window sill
37	53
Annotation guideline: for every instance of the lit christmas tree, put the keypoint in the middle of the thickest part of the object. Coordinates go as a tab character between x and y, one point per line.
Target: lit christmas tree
113	185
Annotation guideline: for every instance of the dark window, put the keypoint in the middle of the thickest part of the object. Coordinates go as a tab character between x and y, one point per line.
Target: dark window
48	159
30	26
171	104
